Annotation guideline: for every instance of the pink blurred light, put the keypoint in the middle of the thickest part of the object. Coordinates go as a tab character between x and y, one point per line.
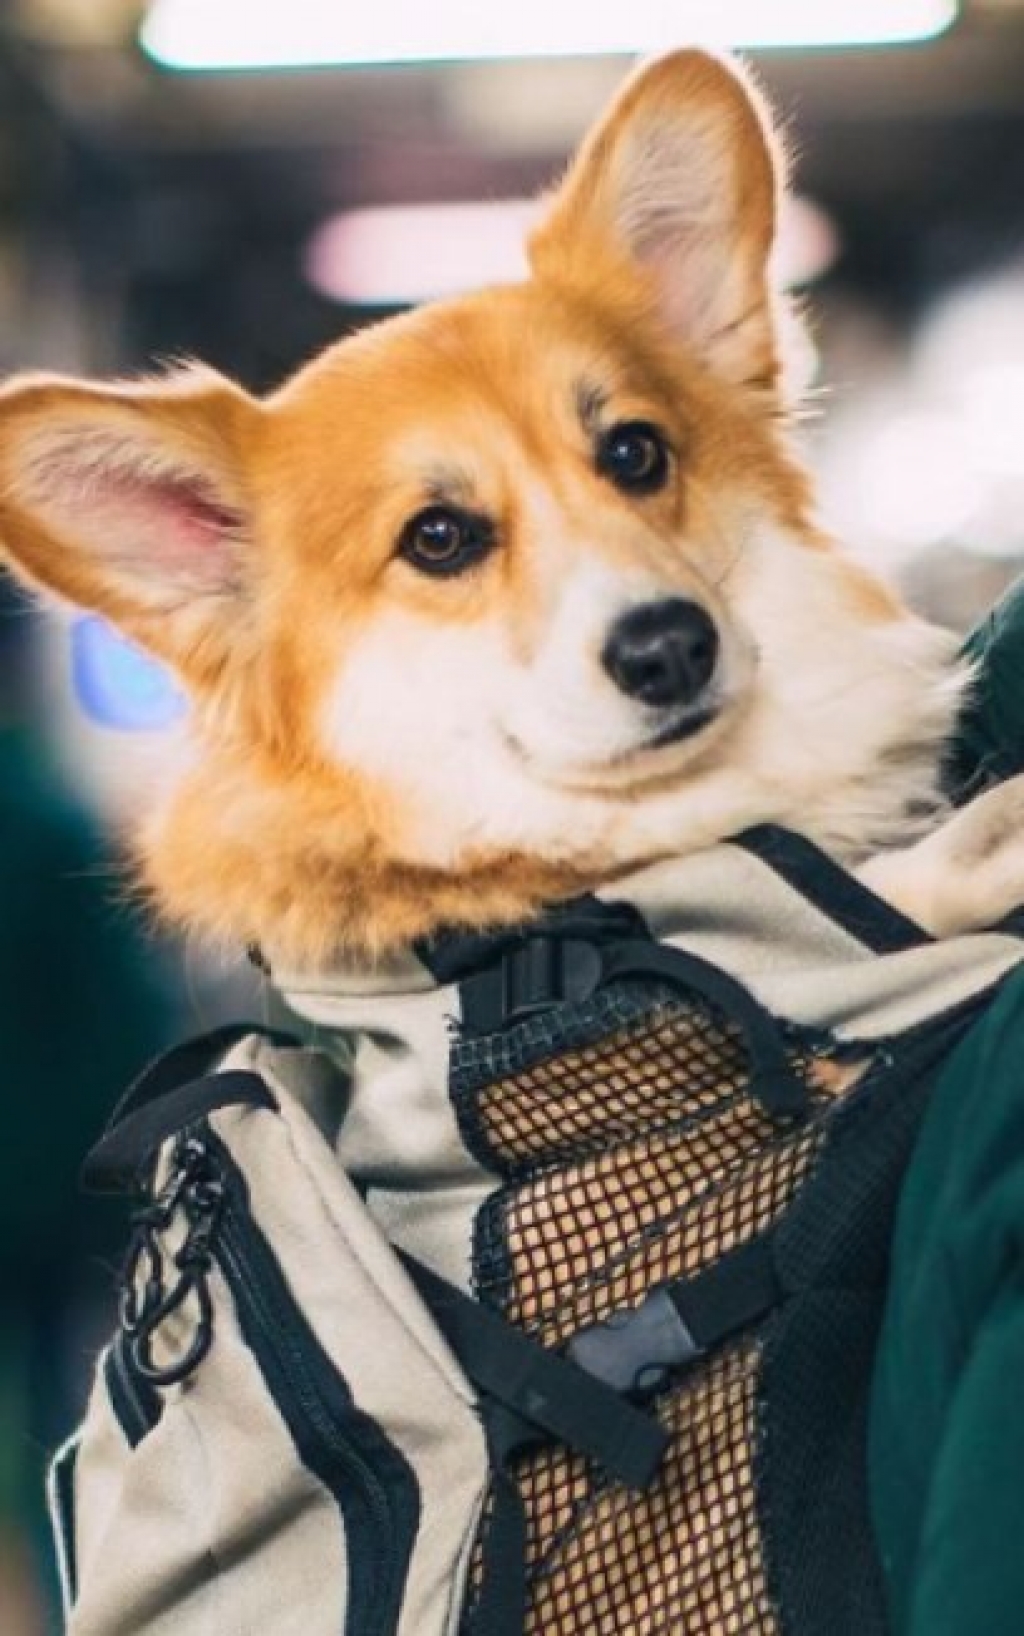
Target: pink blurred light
394	255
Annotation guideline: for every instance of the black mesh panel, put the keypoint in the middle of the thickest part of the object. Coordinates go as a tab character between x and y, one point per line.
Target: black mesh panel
630	1161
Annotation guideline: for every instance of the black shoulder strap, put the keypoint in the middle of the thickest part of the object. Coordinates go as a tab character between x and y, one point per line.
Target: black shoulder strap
838	895
175	1089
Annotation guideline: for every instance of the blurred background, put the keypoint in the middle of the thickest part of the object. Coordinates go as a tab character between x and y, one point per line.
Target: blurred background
199	188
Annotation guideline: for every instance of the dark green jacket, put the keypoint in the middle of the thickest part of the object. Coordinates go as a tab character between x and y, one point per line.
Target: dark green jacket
947	1433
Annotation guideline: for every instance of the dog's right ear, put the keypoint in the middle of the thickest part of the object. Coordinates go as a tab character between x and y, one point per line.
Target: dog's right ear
671	202
130	500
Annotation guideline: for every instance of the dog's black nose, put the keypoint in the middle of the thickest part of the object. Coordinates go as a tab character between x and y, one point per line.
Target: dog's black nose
662	652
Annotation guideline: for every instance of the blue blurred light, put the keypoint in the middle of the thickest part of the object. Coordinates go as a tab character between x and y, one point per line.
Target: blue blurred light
117	684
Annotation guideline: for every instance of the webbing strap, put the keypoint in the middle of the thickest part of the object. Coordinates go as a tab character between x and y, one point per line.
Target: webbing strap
636	1350
501	1605
544	1391
528	1394
732	1293
117	1159
121	1153
774	1082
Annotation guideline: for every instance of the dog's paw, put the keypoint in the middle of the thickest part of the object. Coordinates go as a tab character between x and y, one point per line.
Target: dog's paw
966	875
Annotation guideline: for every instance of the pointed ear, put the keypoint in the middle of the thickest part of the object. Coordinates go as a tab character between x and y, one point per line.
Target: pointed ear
676	190
131	500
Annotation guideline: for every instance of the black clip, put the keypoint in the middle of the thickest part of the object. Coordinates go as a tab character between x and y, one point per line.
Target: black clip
159	1283
518	971
533	975
635	1352
546	971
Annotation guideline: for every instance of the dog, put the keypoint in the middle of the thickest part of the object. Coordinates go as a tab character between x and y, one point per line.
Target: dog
503	597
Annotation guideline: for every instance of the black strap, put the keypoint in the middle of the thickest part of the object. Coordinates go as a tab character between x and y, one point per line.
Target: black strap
529	1394
774	1082
182	1065
190	1060
131	1140
732	1293
500	1608
542	1391
837	894
637	1350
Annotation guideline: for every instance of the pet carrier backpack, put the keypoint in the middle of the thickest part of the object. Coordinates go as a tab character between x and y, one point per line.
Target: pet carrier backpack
541	1295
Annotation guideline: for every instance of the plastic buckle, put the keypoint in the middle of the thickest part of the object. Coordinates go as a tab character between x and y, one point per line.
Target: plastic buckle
531	978
635	1351
544	971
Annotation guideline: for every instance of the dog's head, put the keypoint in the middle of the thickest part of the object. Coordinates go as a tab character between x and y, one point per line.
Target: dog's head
500	597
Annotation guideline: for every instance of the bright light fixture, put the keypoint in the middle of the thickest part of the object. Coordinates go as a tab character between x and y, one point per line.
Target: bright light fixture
223	34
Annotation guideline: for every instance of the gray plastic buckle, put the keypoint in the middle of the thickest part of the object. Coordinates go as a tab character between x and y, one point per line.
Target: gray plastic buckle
636	1351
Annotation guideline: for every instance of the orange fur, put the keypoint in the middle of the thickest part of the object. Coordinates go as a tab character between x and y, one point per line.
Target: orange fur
253	546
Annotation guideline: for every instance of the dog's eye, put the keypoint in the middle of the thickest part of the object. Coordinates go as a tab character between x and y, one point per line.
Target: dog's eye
634	456
440	540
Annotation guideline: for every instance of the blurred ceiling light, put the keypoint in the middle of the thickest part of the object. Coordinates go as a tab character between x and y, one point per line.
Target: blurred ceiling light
224	34
396	255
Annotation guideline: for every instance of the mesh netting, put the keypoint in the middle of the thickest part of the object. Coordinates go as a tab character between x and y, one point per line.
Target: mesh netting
636	1160
680	1556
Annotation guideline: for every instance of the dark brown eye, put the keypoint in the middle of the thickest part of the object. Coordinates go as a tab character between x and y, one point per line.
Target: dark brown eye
442	540
634	456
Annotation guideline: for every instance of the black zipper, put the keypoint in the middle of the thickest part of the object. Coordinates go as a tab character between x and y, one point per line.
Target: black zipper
373	1484
136	1405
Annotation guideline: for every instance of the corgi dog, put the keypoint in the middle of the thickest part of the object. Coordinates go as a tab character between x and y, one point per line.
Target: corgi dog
507	596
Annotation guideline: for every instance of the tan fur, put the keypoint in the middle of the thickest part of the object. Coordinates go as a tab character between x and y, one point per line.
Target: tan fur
252	545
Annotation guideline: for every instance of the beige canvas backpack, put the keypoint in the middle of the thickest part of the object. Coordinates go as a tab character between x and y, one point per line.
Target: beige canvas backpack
536	1291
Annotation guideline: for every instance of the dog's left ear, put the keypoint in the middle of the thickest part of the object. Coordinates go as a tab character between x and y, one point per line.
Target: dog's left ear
674	194
131	500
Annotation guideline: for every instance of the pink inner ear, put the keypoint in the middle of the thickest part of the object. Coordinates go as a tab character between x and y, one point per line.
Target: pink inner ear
140	519
166	527
194	517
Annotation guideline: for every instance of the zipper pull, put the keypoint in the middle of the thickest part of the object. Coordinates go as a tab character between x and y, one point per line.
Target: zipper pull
142	1291
195	1190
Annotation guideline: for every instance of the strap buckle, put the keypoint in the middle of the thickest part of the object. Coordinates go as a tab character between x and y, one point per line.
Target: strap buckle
634	1352
534	975
545	971
520	971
